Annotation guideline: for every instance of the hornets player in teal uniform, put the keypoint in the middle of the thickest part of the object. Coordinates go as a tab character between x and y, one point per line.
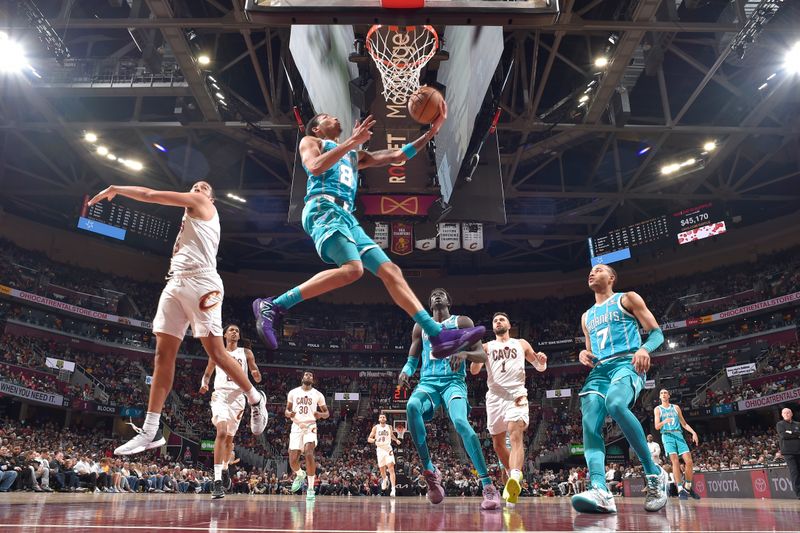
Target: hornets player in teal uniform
328	219
669	420
618	359
443	383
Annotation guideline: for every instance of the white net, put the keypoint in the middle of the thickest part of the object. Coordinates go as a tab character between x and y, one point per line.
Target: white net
400	52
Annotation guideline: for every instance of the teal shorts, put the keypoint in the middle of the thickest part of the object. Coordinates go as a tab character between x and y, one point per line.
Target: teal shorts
616	368
674	443
338	237
440	392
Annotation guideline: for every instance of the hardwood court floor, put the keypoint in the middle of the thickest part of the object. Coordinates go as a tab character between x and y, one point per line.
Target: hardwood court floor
176	513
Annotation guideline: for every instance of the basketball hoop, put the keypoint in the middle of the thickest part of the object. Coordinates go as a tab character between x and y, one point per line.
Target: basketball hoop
400	427
400	52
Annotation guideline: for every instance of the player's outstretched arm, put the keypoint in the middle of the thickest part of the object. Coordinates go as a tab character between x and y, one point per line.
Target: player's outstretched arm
251	364
381	158
414	353
206	379
190	200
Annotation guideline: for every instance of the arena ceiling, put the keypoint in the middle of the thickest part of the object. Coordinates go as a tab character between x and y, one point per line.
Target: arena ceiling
569	170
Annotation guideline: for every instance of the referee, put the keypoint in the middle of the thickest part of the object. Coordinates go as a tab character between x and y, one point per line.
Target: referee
789	434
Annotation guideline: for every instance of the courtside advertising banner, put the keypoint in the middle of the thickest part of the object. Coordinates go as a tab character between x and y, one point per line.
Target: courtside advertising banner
791	395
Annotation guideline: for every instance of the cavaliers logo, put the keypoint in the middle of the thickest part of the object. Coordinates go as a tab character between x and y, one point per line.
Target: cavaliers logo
210	300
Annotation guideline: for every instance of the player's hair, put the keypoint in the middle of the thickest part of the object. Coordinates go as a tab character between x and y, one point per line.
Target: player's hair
313	123
449	298
613	273
500	313
213	197
663	390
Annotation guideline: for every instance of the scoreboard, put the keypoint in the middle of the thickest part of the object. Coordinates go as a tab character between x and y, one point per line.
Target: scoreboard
135	227
685	226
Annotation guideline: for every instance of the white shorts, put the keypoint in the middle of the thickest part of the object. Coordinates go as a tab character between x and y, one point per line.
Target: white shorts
385	457
302	435
227	406
191	300
499	412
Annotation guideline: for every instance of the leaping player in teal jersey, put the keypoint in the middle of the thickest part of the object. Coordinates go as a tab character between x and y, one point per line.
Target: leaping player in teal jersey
618	359
328	219
443	383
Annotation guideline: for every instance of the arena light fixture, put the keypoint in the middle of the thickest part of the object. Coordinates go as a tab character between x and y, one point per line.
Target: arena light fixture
102	150
670	169
791	62
203	59
601	62
12	56
112	157
133	164
583	99
237	198
710	146
159	147
90	136
762	86
220	96
212	78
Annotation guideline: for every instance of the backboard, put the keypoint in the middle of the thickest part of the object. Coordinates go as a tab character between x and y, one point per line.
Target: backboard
452	12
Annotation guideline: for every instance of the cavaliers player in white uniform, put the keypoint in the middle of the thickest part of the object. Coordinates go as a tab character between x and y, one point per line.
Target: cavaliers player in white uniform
304	406
227	406
193	296
382	436
507	398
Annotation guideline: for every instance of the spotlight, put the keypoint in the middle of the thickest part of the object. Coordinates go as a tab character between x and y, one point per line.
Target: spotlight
643	150
601	62
133	164
669	169
583	99
12	56
672	344
791	61
762	86
212	78
214	85
159	147
112	157
90	137
102	150
203	59
220	96
710	146
689	162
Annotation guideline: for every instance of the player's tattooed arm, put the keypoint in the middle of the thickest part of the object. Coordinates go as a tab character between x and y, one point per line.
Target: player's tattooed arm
586	357
207	376
251	364
414	353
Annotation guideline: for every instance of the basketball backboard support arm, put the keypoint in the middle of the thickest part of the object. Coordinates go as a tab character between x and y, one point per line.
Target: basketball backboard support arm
443	12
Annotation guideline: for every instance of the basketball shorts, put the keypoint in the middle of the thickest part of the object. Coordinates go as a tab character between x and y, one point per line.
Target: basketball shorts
440	393
194	301
674	442
500	411
613	370
301	435
338	237
385	457
227	407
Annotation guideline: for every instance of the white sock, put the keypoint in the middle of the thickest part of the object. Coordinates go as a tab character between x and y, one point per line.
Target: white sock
217	472
253	397
516	474
311	482
151	421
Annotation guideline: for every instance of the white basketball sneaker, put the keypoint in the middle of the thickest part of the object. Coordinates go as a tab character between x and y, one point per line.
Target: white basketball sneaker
259	415
141	442
594	500
656	486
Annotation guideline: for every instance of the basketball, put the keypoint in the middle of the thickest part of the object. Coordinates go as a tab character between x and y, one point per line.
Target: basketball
425	104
